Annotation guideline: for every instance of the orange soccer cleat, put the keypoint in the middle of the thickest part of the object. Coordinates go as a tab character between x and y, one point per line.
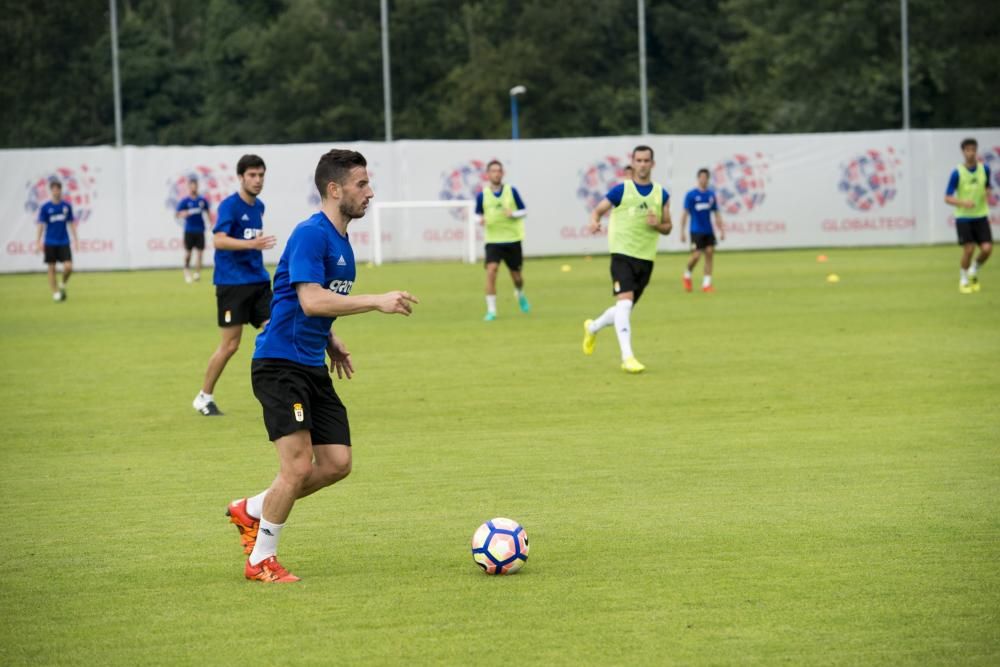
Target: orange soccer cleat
687	283
269	571
707	288
246	524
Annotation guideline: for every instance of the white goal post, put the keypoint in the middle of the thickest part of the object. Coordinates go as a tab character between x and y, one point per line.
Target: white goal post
468	205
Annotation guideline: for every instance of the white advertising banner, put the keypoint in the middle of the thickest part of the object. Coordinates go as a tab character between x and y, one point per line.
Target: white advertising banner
774	191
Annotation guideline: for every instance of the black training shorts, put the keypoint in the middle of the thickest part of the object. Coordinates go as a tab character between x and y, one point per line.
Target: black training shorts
702	241
296	398
630	274
976	230
58	253
509	253
194	240
243	304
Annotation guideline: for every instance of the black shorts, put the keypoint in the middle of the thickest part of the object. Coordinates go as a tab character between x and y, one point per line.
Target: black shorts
975	231
702	241
296	398
630	274
510	253
194	240
243	304
58	253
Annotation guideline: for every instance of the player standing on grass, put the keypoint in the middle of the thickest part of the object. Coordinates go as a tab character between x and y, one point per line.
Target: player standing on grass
502	213
242	284
699	204
967	190
641	214
56	225
193	209
303	415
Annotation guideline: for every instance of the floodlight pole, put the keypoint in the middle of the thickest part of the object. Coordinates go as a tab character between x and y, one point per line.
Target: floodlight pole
116	80
643	94
904	29
386	79
515	132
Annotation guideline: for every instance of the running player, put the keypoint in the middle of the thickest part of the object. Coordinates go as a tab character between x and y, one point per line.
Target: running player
192	210
302	413
967	192
242	284
56	225
699	204
641	213
501	211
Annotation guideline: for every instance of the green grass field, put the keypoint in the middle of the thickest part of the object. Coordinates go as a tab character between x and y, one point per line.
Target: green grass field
807	474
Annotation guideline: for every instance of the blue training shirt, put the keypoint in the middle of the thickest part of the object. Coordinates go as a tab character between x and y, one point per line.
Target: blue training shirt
55	217
953	184
240	221
195	222
517	199
700	204
315	253
616	193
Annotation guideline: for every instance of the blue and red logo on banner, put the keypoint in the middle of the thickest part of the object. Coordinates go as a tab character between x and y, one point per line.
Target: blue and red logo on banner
869	179
214	184
991	158
597	178
79	188
740	182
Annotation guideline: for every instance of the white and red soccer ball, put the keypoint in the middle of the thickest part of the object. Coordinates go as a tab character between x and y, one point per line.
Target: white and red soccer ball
500	546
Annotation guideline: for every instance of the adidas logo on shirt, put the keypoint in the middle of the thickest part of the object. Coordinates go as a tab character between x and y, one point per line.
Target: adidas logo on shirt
245	217
341	262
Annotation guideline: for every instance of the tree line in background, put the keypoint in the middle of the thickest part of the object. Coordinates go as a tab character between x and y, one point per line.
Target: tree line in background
279	71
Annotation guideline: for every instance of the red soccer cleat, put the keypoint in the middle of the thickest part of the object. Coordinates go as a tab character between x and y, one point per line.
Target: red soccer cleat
687	283
269	571
246	524
707	288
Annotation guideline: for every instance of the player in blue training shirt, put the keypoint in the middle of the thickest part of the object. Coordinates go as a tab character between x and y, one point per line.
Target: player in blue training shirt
699	205
968	191
303	415
501	213
193	210
242	284
56	225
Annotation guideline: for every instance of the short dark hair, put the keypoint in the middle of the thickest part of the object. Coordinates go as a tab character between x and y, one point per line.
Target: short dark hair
638	149
492	162
703	171
969	142
249	161
194	179
55	183
334	167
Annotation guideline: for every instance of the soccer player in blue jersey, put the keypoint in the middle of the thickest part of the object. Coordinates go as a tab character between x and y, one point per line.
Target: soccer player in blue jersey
193	210
303	415
56	225
967	191
501	212
242	284
699	205
640	213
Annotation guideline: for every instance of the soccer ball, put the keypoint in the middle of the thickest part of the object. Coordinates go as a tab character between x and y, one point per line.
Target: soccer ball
500	546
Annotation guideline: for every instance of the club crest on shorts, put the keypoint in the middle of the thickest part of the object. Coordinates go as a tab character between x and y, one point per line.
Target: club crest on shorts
299	414
618	287
228	316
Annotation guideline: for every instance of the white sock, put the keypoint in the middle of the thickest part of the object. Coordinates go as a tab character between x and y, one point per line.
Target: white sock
687	273
963	276
206	397
255	505
706	281
267	541
606	319
974	269
518	292
491	303
623	311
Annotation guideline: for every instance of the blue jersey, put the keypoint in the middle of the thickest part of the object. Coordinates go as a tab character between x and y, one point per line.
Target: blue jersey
195	222
517	199
316	253
616	193
55	217
239	220
700	204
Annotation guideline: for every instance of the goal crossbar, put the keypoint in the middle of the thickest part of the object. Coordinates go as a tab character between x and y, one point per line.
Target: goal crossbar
468	204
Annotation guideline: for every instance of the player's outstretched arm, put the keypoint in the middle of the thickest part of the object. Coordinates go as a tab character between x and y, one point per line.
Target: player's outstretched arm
599	212
316	301
223	241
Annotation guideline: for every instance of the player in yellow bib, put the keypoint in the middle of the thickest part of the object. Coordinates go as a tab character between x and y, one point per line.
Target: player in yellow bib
967	191
501	213
640	214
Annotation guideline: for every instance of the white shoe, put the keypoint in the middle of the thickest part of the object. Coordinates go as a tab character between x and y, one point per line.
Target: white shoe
187	277
197	276
205	406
